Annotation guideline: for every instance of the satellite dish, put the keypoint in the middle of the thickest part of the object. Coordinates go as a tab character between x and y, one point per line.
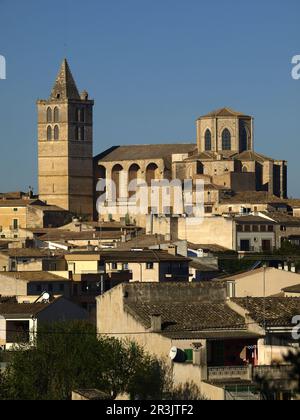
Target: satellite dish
177	355
45	296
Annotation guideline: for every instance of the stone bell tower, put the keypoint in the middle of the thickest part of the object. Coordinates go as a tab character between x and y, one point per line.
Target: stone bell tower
65	146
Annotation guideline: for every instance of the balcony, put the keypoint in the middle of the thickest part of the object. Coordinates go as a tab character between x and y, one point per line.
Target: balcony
249	373
241	373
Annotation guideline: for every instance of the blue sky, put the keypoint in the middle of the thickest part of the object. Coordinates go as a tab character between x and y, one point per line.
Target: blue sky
152	67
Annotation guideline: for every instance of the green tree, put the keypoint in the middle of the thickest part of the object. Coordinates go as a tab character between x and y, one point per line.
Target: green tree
69	356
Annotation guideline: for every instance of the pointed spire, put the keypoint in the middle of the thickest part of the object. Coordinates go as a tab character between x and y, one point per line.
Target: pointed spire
65	86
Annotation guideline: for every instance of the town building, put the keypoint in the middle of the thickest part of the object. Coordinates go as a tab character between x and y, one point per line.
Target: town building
136	266
19	322
260	282
16	215
221	345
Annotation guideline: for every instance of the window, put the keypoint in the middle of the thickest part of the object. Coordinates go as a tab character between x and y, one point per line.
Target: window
270	228
49	133
49	115
114	266
208	209
231	289
149	266
56	115
82	115
245	245
39	288
76	133
226	140
79	134
189	355
247	228
283	228
207	140
244	140
255	228
17	332
125	266
263	228
15	210
15	224
82	134
56	133
239	228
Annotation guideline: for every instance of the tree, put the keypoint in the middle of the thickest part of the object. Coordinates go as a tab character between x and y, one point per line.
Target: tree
69	356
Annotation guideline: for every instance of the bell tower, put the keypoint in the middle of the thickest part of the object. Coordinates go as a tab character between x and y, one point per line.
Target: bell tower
65	146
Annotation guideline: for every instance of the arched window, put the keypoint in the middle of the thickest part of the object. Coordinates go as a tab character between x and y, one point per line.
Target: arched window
79	134
49	115
207	140
56	114
49	133
152	173
56	133
244	140
226	140
79	115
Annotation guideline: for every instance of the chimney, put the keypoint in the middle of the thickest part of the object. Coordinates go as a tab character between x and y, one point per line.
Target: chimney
172	249
197	359
156	323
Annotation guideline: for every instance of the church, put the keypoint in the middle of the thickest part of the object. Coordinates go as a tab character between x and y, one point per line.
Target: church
223	155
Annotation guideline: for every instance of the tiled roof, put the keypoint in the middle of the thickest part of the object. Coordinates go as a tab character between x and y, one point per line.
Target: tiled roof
22	309
33	276
88	235
142	152
184	317
275	311
252	156
17	203
132	256
251	197
254	219
142	241
285	218
292	289
225	112
7	299
31	253
93	394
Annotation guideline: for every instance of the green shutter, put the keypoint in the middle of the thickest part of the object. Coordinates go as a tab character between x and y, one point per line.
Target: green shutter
189	355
